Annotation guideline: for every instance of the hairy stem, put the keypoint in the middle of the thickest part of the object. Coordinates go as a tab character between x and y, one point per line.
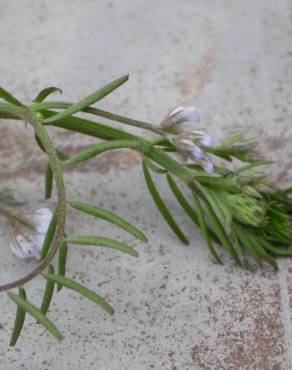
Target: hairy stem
100	113
41	132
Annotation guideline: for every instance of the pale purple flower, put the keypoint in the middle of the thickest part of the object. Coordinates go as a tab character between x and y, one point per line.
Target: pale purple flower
188	146
207	165
27	242
192	151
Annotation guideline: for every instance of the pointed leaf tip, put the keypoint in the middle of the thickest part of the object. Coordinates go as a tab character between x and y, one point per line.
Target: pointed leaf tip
110	217
102	242
89	100
36	313
43	94
19	320
77	287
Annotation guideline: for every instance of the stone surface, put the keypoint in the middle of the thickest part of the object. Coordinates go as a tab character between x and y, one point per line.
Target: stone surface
174	309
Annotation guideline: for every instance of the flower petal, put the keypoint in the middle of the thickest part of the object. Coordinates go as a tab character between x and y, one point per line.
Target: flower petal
207	140
41	218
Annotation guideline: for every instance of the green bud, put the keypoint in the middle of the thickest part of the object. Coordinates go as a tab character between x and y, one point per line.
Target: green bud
246	209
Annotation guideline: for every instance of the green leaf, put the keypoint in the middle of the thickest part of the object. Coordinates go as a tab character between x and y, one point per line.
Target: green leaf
19	320
48	294
87	127
275	250
50	235
94	150
100	113
5	95
101	242
242	235
182	200
161	205
62	260
219	183
219	152
154	168
73	285
43	94
48	182
62	156
219	207
187	207
204	228
10	111
253	165
224	239
89	100
110	217
36	313
257	244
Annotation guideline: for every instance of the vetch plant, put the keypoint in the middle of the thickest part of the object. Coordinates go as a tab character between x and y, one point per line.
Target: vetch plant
238	211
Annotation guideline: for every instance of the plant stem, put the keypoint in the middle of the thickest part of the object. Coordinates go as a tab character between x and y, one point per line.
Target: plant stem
101	113
45	139
11	216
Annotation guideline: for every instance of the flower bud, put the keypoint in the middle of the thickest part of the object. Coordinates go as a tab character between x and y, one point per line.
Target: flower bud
242	148
246	209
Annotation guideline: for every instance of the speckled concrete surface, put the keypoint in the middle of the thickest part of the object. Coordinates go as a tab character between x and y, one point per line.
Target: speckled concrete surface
174	308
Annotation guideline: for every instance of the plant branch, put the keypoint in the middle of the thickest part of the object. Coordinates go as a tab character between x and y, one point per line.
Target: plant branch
41	132
101	113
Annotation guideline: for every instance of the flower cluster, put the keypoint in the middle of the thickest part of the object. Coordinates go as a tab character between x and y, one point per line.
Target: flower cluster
190	142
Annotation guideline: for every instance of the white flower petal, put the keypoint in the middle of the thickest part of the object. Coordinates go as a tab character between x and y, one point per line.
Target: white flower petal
22	247
208	166
198	152
207	140
176	110
186	126
41	218
17	251
180	115
190	114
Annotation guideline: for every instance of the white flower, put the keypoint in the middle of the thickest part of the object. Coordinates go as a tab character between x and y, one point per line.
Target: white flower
181	119
27	242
